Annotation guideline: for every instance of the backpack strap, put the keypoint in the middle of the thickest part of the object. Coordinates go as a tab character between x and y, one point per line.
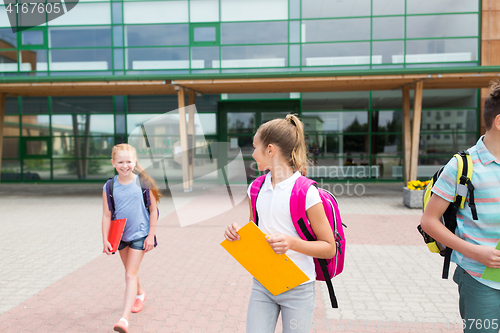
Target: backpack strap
111	200
299	216
255	188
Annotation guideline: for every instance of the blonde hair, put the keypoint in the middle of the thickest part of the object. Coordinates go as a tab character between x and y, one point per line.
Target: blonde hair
288	135
138	170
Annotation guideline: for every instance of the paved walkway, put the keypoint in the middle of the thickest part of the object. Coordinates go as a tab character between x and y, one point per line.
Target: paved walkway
53	277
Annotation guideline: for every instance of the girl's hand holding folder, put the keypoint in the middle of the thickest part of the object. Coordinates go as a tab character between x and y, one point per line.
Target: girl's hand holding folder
231	233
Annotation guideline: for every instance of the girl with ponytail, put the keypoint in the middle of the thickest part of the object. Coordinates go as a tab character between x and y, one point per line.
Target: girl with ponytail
139	233
280	148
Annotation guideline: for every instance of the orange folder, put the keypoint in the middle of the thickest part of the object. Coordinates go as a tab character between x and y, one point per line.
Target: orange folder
115	233
276	272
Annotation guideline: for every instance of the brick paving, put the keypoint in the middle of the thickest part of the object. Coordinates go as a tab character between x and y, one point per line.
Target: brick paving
55	279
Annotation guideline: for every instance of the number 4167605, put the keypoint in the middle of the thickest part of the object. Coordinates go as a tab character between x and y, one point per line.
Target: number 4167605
36	7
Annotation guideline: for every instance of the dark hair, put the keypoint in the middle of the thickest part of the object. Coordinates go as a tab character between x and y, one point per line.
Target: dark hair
492	104
288	135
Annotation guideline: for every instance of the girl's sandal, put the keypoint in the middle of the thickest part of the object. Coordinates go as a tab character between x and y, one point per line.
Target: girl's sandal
121	326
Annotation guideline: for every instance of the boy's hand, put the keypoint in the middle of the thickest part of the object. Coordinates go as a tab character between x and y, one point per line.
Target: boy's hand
486	255
231	233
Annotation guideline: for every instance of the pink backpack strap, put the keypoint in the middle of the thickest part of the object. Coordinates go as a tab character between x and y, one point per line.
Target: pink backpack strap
298	207
254	192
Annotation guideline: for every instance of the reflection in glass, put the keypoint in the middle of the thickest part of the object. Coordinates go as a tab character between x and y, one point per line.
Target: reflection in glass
441	6
439	50
33	60
253	56
390	167
80	59
11	170
32	37
328	8
387	121
157	35
266	116
10	148
35	125
204	34
34	105
117	35
256	10
82	104
451	98
8	61
155	12
388	27
240	122
337	54
73	169
82	124
254	32
34	148
444	143
349	100
245	143
350	122
431	26
64	146
80	37
36	169
152	104
388	7
449	121
204	56
208	123
8	39
85	14
204	10
158	58
388	50
168	127
388	144
335	30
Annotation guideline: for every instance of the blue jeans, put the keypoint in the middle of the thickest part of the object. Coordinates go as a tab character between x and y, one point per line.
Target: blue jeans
479	304
296	306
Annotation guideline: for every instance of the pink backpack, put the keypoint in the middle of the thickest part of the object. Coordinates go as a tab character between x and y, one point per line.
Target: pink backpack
324	267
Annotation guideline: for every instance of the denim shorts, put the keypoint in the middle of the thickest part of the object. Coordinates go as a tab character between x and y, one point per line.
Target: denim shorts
136	244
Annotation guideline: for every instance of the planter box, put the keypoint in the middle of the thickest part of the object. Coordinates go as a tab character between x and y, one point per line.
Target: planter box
413	199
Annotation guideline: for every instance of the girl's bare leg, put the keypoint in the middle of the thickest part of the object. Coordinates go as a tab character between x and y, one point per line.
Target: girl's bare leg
132	260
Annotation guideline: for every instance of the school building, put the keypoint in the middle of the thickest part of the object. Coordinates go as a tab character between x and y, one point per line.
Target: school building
388	90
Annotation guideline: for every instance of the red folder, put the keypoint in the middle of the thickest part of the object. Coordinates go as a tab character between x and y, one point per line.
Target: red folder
115	233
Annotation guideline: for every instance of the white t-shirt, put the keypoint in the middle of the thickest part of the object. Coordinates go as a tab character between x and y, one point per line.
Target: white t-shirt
273	209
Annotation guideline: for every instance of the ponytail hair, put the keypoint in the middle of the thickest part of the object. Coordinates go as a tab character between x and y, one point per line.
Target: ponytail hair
288	135
492	104
138	170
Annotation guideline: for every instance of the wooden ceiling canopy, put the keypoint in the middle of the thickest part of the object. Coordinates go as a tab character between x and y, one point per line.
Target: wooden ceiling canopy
250	85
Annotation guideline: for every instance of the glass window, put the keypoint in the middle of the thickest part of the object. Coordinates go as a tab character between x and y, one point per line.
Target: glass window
82	104
158	58
440	50
32	37
451	98
35	125
80	37
468	119
36	169
165	126
294	31
77	169
384	52
120	127
79	124
204	57
85	14
11	170
8	39
204	10
387	99
204	34
117	12
329	8
245	143
33	60
336	30
241	122
80	60
208	122
387	121
253	56
388	27
4	18
35	147
254	33
256	10
294	55
8	61
157	35
336	54
155	12
438	145
352	121
431	26
10	148
348	100
118	59
34	105
294	9
117	35
388	7
441	6
387	144
11	126
152	104
66	146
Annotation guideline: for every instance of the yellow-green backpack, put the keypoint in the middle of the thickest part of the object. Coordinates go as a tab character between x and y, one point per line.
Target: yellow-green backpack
449	218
